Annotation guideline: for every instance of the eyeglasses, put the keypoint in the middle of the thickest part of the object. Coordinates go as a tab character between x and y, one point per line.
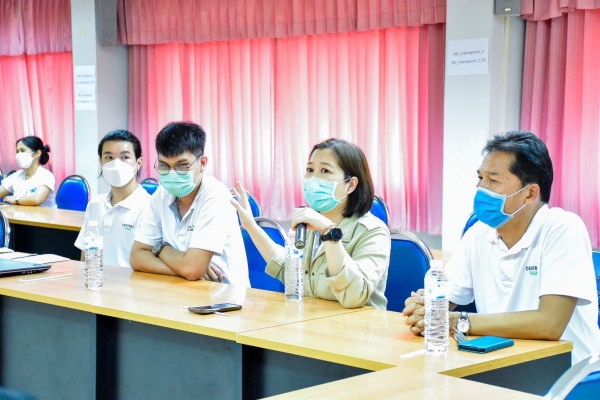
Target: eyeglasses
181	169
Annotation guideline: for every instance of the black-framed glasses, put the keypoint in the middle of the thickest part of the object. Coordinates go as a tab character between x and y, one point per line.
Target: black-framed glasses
181	169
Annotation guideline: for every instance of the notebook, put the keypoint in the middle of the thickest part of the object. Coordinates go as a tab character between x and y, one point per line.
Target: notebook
16	267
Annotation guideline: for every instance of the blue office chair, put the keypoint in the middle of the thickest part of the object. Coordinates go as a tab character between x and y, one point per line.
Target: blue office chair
4	229
73	193
470	222
256	263
581	381
254	206
150	184
380	210
11	172
409	262
596	260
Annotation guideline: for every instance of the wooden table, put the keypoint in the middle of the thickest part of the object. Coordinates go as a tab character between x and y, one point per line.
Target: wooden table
377	340
131	338
44	230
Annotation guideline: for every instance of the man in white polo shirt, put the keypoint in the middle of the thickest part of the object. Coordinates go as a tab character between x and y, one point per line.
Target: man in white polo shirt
527	266
191	228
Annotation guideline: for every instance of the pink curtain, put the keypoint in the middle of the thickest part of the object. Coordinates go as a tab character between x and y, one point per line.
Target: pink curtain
264	103
540	10
34	27
36	98
201	21
561	103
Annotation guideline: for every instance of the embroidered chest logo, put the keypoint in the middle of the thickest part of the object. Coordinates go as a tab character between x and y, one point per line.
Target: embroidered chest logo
127	227
190	228
533	271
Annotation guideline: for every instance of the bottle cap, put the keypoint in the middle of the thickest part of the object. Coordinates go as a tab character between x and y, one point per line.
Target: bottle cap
93	223
436	264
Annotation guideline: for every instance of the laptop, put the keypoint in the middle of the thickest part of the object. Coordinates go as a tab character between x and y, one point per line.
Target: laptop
16	267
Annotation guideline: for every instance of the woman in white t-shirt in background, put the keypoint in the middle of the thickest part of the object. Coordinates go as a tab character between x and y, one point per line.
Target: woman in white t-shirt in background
117	212
32	185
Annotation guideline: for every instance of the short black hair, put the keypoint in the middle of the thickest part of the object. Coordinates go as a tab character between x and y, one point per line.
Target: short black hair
353	162
35	143
121	135
532	163
178	137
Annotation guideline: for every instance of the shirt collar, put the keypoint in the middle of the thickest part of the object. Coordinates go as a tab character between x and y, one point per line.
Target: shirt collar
129	202
532	230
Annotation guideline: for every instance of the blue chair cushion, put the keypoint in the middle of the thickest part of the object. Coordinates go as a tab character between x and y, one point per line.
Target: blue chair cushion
72	194
588	388
150	187
408	266
596	261
470	222
256	263
378	210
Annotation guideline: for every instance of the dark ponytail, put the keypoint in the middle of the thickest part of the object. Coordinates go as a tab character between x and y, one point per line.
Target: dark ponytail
34	143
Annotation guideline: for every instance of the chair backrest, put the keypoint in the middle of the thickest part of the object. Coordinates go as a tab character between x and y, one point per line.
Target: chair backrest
470	222
73	193
380	210
11	172
150	184
581	381
4	229
254	206
596	260
409	262
256	263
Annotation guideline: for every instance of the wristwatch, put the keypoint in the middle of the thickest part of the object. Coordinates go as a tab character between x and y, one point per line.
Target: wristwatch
463	325
334	234
158	248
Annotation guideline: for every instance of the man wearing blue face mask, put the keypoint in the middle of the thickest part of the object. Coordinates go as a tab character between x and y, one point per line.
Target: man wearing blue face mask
190	229
527	266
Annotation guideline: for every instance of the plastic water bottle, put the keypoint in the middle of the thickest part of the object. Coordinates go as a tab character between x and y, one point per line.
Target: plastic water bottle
437	327
294	288
93	245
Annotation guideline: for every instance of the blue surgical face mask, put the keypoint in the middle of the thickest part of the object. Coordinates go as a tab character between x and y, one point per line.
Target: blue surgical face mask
489	207
320	194
179	185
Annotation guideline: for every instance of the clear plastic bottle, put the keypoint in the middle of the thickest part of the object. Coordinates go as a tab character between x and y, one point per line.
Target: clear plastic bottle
437	333
93	246
294	287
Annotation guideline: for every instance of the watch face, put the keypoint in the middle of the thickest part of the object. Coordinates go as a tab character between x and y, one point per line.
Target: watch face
336	234
156	248
463	325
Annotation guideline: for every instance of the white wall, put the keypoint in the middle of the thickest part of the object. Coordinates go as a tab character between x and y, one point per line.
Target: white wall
112	85
477	106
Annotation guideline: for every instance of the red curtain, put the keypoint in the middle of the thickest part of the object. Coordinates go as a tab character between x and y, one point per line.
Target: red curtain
561	103
540	10
201	21
34	27
264	103
36	98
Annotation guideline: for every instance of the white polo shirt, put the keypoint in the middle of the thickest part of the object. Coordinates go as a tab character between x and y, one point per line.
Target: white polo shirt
554	257
210	224
21	187
117	224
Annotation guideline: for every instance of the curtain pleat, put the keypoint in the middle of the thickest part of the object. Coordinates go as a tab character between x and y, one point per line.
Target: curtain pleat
201	21
561	104
541	10
34	27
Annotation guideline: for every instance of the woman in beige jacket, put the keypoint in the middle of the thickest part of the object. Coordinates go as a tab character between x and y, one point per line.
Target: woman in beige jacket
347	248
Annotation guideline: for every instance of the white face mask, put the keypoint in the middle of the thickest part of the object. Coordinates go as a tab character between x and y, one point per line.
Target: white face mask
24	160
118	173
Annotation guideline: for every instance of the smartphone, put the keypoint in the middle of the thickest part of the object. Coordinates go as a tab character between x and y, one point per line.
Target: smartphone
485	344
221	307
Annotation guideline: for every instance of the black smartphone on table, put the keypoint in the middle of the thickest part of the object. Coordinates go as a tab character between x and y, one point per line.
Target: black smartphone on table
215	308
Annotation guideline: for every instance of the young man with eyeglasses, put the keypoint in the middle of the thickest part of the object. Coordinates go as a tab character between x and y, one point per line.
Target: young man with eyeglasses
190	228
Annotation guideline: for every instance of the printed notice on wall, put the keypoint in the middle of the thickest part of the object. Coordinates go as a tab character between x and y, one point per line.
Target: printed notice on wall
85	87
467	57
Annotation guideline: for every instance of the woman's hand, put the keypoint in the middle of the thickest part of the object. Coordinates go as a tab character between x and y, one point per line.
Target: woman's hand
10	200
242	206
313	220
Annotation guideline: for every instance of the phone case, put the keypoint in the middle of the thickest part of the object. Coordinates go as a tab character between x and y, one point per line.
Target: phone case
223	307
485	344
